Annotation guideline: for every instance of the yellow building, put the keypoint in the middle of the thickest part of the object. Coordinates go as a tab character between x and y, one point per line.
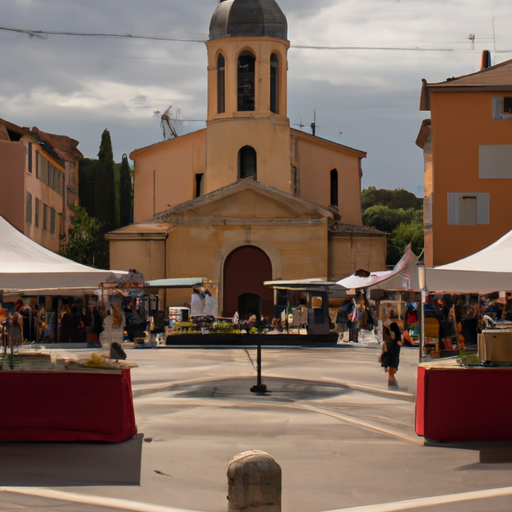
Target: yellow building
39	176
467	147
247	199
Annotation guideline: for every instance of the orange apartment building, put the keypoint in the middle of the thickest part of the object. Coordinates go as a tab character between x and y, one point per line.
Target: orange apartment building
467	147
39	176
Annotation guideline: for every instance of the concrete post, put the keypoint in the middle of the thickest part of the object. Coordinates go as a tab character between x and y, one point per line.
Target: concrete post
254	483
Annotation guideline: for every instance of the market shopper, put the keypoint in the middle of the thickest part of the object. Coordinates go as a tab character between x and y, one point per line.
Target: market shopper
66	324
14	329
197	301
342	318
390	356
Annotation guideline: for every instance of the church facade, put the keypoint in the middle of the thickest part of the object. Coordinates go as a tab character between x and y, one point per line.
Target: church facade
247	199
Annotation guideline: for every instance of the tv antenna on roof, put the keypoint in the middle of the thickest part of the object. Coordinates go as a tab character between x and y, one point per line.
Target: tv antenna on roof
166	124
313	124
471	38
300	125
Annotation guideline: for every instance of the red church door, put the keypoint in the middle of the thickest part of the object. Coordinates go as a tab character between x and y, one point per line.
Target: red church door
245	270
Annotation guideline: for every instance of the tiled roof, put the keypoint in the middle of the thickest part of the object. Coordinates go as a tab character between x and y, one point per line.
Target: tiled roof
338	228
498	75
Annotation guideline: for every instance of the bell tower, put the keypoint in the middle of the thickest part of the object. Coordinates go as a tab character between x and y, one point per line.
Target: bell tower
248	131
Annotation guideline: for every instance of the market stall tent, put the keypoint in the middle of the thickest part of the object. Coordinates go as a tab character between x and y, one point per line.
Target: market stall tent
26	265
404	276
487	270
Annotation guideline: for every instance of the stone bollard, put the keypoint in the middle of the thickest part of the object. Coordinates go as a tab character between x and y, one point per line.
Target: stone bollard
254	483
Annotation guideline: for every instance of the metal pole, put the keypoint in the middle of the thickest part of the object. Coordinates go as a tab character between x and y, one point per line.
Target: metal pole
423	299
259	387
259	364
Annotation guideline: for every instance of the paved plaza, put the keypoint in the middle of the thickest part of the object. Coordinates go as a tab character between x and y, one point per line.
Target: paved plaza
343	440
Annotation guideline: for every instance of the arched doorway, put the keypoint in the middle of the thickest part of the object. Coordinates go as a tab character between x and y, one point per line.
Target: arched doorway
245	270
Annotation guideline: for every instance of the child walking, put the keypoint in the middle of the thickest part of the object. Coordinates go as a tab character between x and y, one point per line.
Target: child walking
390	356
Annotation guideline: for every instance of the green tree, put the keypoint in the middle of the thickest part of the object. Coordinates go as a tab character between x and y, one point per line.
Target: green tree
401	198
398	198
403	226
372	196
86	185
403	235
105	196
387	219
86	242
125	193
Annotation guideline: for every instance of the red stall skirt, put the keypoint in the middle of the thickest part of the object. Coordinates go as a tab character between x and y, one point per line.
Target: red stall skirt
91	405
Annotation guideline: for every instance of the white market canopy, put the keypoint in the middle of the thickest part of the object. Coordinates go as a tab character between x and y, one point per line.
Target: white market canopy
404	276
488	270
26	265
175	282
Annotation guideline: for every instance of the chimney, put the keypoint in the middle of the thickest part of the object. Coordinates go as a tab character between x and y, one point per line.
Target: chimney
486	59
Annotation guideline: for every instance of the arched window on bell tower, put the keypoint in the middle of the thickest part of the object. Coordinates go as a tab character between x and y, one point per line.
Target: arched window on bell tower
246	82
221	84
334	187
246	163
274	83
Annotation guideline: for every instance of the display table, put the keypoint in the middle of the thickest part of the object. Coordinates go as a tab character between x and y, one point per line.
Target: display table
458	404
319	340
85	405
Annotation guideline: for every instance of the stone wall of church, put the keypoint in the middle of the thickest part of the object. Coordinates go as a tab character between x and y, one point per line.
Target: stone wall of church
315	158
201	250
146	256
348	253
165	174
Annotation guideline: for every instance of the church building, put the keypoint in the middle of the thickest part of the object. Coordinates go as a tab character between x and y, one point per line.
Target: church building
248	199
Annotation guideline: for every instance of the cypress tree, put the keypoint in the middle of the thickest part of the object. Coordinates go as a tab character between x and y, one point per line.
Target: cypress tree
86	185
105	186
125	193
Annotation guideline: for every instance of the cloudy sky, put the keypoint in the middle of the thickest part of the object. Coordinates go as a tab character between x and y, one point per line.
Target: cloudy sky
365	96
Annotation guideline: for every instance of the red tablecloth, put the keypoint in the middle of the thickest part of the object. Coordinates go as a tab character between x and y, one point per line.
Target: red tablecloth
464	404
66	406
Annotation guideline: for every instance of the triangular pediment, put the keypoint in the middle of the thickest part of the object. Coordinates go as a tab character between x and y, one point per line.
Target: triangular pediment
247	200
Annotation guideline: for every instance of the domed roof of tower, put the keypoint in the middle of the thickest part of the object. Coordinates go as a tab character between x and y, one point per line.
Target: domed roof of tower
248	18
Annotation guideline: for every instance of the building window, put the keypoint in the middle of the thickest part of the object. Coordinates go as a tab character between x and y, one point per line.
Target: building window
246	163
246	93
49	174
221	84
29	208
199	181
502	108
53	221
334	187
468	209
274	83
295	182
29	149
36	212
46	214
495	162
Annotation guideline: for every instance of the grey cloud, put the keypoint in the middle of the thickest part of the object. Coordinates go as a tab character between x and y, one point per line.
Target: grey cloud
372	97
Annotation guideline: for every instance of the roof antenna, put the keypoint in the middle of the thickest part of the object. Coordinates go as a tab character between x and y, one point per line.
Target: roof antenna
300	125
471	38
493	28
313	124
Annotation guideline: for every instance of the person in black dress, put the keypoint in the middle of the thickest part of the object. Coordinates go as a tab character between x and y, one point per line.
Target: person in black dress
390	357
